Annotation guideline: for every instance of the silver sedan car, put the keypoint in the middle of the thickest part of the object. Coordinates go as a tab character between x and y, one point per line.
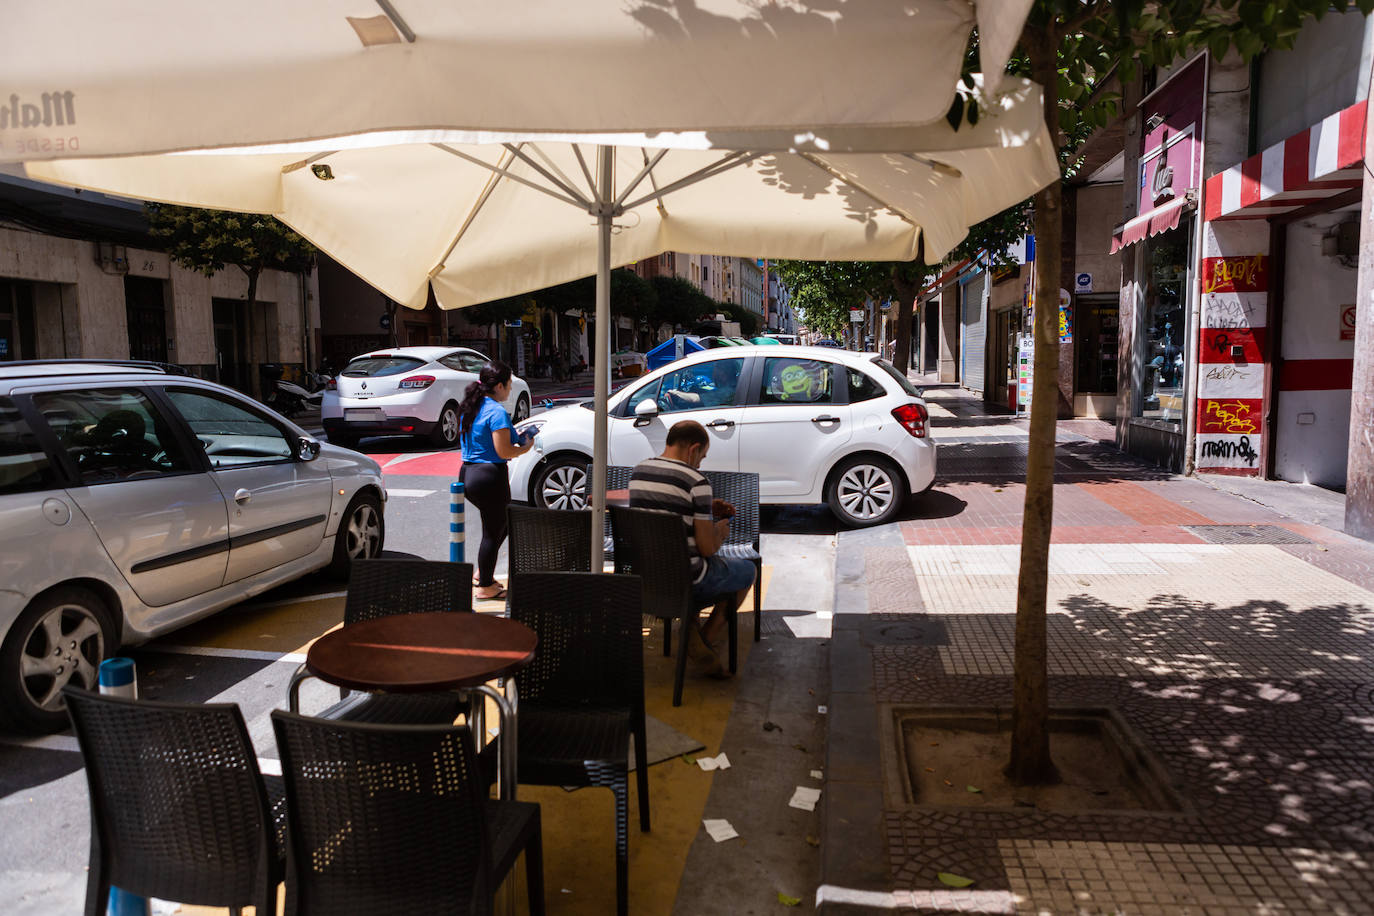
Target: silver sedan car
133	501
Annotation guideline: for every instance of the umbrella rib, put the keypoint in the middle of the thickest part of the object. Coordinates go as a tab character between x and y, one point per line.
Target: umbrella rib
553	179
507	173
586	172
550	164
842	179
648	167
396	20
731	161
492	181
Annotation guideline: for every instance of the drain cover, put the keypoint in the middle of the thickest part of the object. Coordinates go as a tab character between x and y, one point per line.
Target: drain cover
1246	534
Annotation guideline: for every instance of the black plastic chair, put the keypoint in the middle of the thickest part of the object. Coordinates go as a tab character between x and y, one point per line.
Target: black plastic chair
382	588
548	540
394	819
650	543
741	490
179	809
582	698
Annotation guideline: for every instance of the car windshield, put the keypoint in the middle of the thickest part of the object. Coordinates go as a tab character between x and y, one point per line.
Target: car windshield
374	366
901	379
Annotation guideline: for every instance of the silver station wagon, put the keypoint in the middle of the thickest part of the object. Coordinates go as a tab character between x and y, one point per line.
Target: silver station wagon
134	501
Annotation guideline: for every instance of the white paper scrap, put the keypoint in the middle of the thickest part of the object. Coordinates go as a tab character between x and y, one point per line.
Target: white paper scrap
805	798
817	774
719	762
822	709
719	829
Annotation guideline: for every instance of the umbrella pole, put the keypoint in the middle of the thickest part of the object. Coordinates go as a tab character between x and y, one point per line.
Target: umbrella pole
601	365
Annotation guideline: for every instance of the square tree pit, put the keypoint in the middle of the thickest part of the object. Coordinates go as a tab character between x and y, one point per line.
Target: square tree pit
943	755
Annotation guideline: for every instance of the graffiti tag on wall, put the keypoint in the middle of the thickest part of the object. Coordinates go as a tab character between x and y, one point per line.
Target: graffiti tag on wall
1230	450
1249	274
1230	415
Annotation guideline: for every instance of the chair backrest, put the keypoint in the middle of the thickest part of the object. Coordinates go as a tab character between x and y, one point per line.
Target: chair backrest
617	478
178	806
741	490
651	544
384	818
551	540
383	587
591	639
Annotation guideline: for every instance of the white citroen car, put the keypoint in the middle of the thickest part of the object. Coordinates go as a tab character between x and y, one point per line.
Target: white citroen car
408	391
817	426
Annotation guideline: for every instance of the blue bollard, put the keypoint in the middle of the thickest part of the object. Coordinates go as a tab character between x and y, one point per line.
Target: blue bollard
119	679
456	538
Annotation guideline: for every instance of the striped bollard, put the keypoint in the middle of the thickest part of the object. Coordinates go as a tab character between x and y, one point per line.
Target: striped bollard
456	505
118	679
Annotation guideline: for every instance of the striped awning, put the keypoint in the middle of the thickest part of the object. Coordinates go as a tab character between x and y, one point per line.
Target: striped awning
1160	219
1307	168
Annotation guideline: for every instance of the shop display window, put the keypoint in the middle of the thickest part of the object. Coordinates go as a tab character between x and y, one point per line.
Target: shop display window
1163	333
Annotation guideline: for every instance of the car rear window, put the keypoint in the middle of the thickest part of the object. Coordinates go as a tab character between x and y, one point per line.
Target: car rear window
24	466
901	379
376	366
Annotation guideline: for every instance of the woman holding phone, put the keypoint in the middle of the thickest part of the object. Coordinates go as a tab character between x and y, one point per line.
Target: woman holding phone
488	441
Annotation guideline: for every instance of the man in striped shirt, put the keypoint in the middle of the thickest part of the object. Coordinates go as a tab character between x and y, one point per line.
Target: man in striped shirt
672	482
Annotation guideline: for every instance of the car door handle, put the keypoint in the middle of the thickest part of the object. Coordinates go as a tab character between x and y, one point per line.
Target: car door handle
825	418
242	497
721	424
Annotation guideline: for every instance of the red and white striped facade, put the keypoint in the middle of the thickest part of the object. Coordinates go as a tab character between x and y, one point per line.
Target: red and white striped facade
1307	168
1235	343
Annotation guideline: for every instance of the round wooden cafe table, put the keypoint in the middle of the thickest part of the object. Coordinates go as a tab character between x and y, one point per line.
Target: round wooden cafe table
424	653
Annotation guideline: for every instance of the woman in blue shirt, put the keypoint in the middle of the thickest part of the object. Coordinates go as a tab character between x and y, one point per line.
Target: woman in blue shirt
489	441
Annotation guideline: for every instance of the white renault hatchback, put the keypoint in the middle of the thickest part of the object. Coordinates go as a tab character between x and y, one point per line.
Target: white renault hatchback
133	502
817	426
408	391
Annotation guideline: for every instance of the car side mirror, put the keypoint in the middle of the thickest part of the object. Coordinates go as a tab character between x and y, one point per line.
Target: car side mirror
645	411
307	448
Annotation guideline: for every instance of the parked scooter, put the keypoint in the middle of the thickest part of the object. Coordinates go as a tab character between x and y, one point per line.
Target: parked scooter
286	398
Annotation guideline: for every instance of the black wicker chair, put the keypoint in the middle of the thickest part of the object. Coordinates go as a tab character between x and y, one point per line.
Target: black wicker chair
741	490
582	698
649	543
179	809
381	588
548	540
394	819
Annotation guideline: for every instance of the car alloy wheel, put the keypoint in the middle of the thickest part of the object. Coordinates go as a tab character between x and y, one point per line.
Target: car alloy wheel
446	434
65	646
866	492
522	410
563	487
364	533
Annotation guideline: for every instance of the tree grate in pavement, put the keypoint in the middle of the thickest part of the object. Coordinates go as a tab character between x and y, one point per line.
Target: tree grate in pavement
1246	534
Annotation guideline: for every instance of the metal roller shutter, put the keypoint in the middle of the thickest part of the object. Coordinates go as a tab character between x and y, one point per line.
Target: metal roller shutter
975	322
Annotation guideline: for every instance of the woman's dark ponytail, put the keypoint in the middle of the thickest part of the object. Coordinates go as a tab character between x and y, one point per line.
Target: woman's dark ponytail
493	374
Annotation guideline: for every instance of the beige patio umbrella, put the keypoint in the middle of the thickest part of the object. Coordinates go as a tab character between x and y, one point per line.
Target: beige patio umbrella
481	216
141	76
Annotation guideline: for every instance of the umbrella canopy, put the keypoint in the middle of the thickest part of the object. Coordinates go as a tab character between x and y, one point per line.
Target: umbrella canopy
142	76
483	220
481	216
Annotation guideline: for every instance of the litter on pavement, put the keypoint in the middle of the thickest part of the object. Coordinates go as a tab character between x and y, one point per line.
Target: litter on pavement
805	798
719	829
719	762
817	774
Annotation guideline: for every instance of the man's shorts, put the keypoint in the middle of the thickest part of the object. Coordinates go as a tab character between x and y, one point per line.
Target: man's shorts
724	576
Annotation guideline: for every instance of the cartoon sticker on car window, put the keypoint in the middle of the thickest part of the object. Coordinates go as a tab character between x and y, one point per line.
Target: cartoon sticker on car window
802	382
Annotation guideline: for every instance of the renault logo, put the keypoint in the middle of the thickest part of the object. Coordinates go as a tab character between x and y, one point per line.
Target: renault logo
364	384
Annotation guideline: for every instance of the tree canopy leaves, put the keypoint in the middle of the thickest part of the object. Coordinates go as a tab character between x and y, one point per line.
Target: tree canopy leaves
207	241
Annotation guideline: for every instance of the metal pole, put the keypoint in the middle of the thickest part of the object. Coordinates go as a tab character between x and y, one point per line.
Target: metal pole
457	503
605	193
118	678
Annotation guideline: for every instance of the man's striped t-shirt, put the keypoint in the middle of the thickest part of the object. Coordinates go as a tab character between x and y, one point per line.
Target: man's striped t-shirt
672	486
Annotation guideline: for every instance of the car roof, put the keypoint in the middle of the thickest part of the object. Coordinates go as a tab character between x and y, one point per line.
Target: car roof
50	368
774	351
429	354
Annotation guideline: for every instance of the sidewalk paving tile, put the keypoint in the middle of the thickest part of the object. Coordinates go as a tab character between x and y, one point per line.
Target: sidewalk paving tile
1247	669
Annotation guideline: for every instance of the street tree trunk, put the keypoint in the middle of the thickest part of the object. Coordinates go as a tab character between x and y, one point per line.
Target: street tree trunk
1030	762
906	304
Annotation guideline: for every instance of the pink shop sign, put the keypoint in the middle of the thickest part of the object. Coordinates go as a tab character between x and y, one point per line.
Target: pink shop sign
1171	146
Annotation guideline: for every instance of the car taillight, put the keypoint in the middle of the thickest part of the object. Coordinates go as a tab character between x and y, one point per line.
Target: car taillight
331	385
417	381
913	419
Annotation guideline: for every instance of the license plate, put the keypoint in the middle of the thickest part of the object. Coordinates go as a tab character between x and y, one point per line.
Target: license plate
365	415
